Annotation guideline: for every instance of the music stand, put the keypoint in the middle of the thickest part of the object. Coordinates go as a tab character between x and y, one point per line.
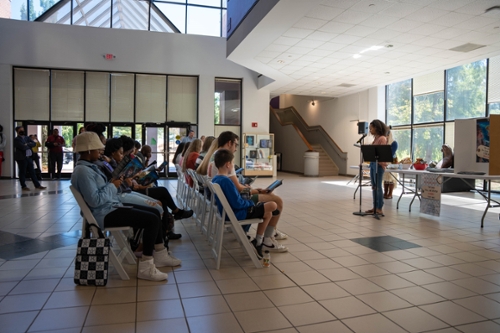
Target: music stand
376	153
360	178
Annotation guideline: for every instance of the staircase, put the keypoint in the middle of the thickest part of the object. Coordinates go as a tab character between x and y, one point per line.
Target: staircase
326	165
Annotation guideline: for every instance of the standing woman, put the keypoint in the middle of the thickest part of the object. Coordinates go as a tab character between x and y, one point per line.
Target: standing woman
379	130
3	143
389	177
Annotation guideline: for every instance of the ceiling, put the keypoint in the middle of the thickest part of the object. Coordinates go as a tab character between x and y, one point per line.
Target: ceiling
327	47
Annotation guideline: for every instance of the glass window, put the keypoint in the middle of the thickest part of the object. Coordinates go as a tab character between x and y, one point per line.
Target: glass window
92	13
150	98
42	6
67	95
212	3
138	133
203	21
466	94
97	96
31	93
402	136
61	15
175	13
122	97
427	142
182	98
494	108
429	108
130	14
227	102
399	103
18	10
449	130
159	22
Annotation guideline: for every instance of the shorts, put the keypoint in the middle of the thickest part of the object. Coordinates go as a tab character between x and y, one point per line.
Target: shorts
255	212
255	198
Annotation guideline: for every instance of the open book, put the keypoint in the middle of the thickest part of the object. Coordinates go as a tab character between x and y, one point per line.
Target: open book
127	167
146	177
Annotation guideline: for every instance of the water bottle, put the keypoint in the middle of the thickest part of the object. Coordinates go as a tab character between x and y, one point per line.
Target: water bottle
266	261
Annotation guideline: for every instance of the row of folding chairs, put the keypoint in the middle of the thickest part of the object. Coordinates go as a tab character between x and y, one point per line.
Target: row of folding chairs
212	223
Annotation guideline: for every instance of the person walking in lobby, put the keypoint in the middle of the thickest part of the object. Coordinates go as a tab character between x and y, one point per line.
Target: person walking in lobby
55	144
23	155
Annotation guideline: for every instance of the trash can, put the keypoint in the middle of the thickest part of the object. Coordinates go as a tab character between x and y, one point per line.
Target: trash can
311	164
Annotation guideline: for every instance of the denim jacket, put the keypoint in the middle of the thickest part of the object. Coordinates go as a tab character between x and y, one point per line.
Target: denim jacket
99	195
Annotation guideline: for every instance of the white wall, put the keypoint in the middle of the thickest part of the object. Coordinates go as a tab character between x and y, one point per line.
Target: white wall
35	44
339	116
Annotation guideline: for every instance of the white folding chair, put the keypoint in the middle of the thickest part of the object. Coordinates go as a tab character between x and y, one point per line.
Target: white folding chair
235	226
204	202
117	232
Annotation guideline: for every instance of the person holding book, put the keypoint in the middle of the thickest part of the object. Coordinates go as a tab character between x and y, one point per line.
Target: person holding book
103	200
190	159
230	141
245	208
114	153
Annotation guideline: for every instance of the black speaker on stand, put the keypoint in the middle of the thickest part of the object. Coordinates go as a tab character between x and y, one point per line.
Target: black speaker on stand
363	127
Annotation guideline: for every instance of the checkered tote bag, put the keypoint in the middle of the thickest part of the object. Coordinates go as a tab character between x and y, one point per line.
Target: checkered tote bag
92	259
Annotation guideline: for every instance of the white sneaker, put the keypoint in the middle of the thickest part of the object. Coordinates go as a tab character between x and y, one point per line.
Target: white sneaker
163	259
273	247
278	235
148	271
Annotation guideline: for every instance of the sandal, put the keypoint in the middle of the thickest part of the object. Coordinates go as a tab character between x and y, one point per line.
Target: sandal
380	212
370	211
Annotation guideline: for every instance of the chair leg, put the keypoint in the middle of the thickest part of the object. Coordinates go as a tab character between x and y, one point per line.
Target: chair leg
115	262
124	246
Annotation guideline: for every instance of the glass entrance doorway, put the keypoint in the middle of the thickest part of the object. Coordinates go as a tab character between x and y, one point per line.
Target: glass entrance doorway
175	134
40	132
154	136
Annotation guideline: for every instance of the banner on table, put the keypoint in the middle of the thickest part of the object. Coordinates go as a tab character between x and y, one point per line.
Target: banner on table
431	194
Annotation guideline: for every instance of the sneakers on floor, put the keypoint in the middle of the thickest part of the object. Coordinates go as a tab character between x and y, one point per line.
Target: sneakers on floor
274	246
41	187
148	271
183	214
278	235
257	249
163	259
26	188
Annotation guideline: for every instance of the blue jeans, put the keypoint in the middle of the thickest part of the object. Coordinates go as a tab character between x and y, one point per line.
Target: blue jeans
378	190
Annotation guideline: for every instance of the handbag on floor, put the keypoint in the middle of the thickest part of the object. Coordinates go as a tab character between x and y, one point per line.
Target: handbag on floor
92	258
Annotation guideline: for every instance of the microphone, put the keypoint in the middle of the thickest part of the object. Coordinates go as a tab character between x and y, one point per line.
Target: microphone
359	141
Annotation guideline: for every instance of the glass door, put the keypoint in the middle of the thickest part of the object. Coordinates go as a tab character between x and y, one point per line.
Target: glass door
68	131
154	136
175	133
118	130
38	132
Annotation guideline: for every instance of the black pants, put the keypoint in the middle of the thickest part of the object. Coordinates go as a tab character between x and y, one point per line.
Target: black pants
138	217
53	159
162	194
26	165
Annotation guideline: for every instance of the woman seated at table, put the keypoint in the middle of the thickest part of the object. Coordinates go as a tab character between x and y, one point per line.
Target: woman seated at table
108	210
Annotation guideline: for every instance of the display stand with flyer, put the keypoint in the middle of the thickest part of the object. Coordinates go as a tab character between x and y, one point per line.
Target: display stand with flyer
376	153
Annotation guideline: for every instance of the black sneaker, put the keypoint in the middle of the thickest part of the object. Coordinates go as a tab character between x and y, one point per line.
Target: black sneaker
172	235
257	249
183	214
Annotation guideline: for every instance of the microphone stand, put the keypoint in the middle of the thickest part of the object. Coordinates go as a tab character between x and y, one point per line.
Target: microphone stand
360	179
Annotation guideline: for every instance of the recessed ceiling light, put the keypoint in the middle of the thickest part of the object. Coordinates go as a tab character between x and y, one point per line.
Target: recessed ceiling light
280	62
372	48
387	73
467	47
357	56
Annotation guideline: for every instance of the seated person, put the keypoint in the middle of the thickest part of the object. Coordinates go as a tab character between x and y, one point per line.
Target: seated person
245	209
229	140
102	198
189	161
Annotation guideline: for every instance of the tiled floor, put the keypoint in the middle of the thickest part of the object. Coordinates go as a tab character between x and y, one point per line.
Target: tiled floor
333	279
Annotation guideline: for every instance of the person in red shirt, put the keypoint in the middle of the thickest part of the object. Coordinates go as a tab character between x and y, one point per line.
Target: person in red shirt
55	144
190	157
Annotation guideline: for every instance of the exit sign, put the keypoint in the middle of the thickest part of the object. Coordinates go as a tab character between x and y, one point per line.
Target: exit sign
255	125
109	56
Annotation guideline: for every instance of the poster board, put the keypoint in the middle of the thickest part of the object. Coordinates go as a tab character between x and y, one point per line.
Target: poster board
431	194
494	165
466	146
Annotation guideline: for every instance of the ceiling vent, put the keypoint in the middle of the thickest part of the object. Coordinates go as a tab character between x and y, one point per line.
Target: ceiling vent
467	47
346	85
